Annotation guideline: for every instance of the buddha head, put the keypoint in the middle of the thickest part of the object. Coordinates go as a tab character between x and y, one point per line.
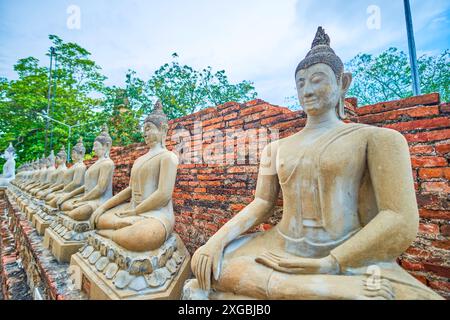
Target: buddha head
43	162
78	151
51	159
9	152
61	156
321	80
155	126
103	143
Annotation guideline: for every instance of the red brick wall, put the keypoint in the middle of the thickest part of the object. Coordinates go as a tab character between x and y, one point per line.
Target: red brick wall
208	195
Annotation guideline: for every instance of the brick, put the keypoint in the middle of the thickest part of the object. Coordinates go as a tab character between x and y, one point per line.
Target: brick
432	202
420	124
443	244
421	278
430	173
254	109
428	136
445	230
428	99
439	270
414	112
428	161
421	149
412	266
429	228
445	107
441	187
440	285
443	148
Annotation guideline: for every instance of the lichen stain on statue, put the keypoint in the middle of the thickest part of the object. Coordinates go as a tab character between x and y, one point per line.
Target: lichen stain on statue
349	208
9	168
134	250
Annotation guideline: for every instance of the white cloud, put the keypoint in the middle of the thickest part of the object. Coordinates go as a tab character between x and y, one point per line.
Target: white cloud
258	40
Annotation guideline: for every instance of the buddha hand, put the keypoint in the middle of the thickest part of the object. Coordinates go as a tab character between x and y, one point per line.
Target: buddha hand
93	220
127	213
60	201
206	260
299	265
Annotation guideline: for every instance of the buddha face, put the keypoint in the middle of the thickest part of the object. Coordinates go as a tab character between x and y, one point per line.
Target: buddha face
59	160
100	149
74	156
152	134
317	89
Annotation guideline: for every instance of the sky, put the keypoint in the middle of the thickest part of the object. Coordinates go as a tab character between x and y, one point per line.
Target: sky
257	40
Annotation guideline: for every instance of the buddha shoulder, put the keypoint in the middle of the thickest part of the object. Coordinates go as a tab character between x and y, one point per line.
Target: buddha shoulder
169	157
386	137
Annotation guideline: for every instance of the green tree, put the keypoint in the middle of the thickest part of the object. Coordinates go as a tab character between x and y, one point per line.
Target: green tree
184	90
387	76
77	81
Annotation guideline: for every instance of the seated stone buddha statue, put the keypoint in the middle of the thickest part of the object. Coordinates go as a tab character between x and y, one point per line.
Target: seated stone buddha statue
349	208
73	177
55	177
145	207
40	166
9	168
24	174
134	251
80	203
46	174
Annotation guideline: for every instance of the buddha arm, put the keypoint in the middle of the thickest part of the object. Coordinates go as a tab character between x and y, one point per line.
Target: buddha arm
166	183
104	179
74	193
57	187
119	198
395	226
257	212
77	180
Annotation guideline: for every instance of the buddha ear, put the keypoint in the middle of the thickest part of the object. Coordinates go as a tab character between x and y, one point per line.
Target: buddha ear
346	80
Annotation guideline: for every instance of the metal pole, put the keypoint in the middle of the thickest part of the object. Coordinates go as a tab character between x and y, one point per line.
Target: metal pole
52	51
68	144
412	49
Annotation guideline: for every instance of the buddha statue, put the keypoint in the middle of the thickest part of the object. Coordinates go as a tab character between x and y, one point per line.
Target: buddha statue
349	208
46	174
9	168
80	203
145	206
73	177
134	247
38	168
55	177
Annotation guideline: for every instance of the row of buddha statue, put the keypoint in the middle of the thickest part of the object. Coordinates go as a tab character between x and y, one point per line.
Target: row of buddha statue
349	208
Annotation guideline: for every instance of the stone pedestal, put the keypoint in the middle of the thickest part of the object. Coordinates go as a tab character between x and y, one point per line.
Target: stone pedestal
65	236
40	224
109	272
59	247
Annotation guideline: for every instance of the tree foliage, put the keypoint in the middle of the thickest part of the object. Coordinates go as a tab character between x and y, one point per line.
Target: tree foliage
82	100
387	76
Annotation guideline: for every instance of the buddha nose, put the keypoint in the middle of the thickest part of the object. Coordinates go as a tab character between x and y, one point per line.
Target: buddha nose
307	89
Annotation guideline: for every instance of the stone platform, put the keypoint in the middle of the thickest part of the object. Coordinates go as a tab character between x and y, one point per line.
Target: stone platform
35	266
110	272
65	236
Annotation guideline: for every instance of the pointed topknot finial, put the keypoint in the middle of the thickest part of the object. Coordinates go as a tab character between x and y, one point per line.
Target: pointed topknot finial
321	38
10	148
105	128
157	116
158	106
80	139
